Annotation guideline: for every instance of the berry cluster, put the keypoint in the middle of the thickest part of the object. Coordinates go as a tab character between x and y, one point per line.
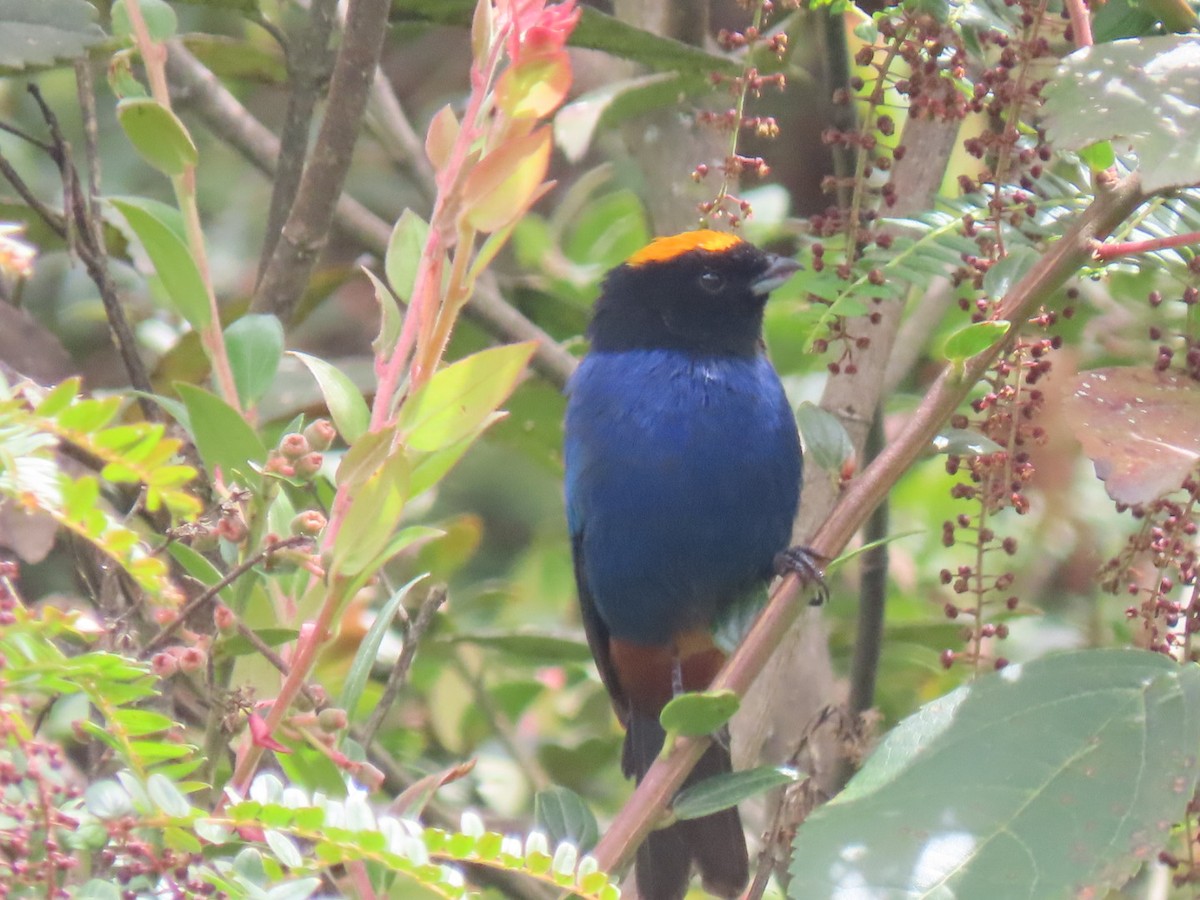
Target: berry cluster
733	121
1005	414
36	855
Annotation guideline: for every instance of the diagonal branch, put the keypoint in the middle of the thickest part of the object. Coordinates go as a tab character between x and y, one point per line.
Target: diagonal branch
307	226
1063	259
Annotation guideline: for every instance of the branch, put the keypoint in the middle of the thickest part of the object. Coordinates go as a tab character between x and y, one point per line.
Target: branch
209	593
772	721
308	62
1081	22
1061	260
234	124
399	674
311	216
1106	252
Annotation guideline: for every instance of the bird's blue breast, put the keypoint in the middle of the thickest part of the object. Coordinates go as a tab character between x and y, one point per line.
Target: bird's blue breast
683	478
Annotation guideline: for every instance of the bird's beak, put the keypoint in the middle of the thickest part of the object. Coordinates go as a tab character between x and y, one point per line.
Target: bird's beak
780	269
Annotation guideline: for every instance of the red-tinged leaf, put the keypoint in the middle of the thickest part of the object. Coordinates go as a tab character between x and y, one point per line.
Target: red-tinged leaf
535	87
261	736
413	799
439	139
506	181
1140	428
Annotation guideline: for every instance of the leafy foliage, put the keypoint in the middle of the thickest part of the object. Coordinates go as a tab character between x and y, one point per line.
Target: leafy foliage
1143	90
406	555
954	801
136	454
42	32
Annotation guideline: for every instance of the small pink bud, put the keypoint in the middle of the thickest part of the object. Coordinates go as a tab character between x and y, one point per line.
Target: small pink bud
294	445
224	618
321	434
309	465
164	665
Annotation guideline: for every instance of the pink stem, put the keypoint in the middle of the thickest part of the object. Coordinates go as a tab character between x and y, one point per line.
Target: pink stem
1130	248
1081	22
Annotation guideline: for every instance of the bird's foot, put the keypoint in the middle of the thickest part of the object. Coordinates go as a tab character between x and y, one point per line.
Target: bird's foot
807	565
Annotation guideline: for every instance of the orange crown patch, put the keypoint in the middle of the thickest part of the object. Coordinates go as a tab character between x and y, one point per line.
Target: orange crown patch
666	248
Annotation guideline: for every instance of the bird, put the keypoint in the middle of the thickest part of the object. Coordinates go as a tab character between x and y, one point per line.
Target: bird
682	479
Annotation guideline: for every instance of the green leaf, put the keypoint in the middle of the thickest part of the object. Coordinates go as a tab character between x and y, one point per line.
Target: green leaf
1008	270
368	650
166	796
430	468
404	250
171	259
699	713
284	848
506	182
460	397
59	398
42	32
97	889
1143	90
825	437
160	19
964	442
346	405
373	516
974	339
107	800
195	564
223	438
390	319
157	135
729	789
255	346
981	792
1098	156
562	815
142	722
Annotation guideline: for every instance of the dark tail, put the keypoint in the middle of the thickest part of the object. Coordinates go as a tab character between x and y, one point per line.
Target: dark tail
716	843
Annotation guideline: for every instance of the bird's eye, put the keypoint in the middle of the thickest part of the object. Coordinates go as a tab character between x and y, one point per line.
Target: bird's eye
711	281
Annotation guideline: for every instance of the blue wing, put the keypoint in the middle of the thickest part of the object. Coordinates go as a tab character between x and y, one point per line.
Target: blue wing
683	478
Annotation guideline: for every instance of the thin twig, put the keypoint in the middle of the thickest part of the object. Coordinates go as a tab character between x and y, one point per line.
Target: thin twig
1106	252
84	209
872	599
399	674
230	577
54	220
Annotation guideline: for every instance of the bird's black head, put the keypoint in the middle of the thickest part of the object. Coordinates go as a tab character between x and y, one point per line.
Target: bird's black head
699	291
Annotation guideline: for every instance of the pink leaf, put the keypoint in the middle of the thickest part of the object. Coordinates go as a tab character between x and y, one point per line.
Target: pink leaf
1140	428
261	736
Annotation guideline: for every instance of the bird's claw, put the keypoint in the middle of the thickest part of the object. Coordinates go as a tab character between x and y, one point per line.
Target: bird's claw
806	564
